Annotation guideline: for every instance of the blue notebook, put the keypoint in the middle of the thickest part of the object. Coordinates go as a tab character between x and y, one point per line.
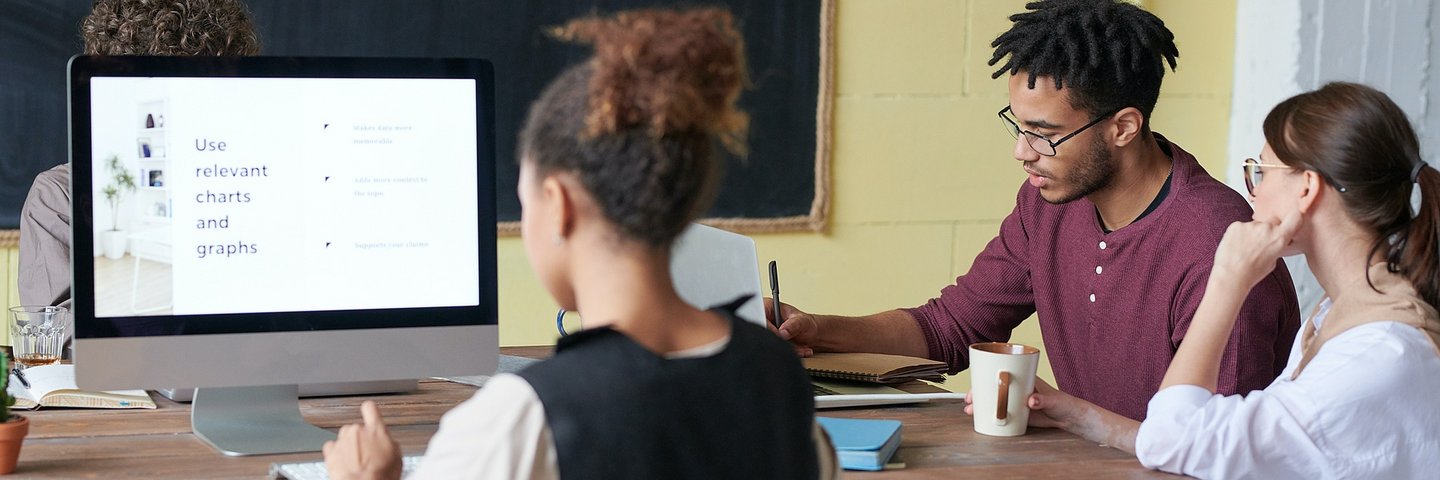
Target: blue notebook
862	444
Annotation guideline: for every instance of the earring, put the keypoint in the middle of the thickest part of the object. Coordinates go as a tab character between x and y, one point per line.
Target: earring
558	240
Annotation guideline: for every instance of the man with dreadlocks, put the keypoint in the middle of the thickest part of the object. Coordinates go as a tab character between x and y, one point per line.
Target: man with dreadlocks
1113	234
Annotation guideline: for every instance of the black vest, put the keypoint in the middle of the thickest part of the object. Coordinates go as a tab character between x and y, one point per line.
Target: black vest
619	411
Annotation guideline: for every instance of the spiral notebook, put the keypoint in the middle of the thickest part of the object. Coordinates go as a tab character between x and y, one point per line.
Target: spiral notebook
874	367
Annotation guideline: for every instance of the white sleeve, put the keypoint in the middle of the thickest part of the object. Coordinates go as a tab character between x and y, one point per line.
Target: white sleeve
1190	431
500	432
1312	427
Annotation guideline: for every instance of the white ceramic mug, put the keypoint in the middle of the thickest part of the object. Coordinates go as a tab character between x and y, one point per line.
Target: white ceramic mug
1002	376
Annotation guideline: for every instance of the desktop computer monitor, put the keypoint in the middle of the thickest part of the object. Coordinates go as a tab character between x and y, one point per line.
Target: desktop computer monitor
243	225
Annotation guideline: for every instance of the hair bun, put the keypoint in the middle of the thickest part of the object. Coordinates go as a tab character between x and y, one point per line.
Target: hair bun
666	71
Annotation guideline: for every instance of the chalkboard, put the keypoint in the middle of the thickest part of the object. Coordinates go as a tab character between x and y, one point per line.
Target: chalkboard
780	186
36	39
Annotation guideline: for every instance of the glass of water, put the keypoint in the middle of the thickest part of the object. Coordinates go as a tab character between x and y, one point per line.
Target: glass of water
37	333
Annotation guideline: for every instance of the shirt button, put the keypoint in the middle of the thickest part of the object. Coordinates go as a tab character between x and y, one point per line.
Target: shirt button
1102	245
1092	298
1098	269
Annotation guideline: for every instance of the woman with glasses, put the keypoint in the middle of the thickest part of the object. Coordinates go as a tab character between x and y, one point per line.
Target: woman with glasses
1357	399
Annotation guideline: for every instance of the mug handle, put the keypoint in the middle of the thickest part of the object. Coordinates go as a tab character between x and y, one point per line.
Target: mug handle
1002	399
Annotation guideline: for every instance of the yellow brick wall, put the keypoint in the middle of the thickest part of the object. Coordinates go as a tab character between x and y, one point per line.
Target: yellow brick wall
922	169
10	263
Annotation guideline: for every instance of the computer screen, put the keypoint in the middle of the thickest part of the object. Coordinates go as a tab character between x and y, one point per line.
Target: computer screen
276	221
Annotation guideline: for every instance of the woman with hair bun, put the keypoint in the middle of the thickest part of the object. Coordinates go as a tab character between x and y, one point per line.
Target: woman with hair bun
616	160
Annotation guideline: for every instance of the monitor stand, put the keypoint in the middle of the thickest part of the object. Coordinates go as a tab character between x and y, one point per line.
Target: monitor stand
368	387
240	421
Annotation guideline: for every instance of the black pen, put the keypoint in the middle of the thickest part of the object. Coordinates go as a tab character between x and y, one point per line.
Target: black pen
775	294
21	377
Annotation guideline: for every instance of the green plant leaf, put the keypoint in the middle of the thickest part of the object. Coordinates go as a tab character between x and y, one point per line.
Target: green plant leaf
121	181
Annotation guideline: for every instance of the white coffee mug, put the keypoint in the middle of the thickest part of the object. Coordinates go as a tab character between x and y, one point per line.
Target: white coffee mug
1002	376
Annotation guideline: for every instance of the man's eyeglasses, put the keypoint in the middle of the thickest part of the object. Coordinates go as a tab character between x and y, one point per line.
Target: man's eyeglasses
1038	142
1254	172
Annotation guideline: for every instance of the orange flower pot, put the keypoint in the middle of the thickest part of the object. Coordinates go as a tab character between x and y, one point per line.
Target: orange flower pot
12	436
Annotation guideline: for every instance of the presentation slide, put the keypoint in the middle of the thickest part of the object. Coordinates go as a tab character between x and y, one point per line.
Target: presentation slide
246	195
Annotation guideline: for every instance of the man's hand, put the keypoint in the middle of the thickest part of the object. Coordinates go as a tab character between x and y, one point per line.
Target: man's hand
364	451
799	328
1049	408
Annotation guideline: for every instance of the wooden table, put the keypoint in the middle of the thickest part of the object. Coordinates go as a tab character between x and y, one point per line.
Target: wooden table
937	440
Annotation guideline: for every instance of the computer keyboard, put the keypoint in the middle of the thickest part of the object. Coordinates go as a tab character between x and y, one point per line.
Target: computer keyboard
316	470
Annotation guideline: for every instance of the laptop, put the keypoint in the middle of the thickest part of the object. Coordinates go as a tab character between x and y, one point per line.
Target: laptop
712	267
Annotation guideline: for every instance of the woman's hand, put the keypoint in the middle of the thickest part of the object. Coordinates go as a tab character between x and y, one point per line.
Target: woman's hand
364	451
1248	250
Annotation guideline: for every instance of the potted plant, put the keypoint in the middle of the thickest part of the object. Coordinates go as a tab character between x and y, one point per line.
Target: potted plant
14	428
121	181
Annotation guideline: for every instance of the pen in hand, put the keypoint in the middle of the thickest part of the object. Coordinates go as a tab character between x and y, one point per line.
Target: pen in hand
775	295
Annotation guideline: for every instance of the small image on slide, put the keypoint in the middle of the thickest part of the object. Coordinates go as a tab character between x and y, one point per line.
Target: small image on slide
133	274
139	282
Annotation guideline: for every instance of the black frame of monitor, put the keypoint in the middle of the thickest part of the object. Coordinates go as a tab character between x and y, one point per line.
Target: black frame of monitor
83	67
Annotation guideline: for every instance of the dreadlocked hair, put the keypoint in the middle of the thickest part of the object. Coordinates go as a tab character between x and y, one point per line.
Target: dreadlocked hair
1109	53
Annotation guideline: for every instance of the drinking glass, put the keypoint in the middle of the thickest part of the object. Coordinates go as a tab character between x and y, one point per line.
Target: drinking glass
38	333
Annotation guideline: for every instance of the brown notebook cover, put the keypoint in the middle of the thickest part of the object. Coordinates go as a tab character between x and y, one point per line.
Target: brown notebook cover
874	367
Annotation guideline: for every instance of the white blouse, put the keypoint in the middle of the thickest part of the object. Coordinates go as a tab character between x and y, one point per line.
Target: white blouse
1367	406
501	432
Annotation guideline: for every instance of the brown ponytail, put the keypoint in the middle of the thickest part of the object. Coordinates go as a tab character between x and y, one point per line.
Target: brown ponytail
637	123
1421	258
1360	142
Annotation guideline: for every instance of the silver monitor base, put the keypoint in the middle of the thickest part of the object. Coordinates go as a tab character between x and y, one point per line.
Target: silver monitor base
241	421
320	389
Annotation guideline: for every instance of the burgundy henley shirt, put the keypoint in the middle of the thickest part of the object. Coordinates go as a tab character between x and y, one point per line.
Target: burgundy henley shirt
1114	307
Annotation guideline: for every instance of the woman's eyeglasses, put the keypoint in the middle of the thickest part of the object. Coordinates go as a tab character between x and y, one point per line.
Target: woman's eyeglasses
1254	172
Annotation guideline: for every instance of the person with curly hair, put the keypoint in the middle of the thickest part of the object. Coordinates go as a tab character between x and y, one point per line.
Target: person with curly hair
119	27
616	159
1111	239
169	27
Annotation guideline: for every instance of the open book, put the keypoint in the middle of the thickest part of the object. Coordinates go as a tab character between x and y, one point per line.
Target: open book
54	386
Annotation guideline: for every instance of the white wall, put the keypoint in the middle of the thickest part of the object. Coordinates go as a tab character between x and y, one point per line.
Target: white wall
1284	47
